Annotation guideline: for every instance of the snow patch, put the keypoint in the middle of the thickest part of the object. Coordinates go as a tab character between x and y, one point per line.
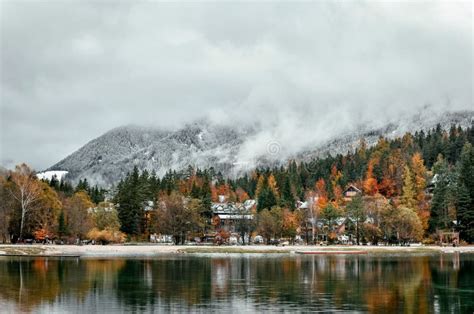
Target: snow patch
48	175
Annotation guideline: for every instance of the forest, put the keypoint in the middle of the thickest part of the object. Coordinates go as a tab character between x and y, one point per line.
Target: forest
412	187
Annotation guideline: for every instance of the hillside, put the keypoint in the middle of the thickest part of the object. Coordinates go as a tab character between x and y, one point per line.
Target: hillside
107	159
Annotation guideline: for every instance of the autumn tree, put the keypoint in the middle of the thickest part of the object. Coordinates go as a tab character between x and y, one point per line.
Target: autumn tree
25	190
408	225
335	180
242	196
106	224
419	181
290	224
270	223
403	224
44	215
371	232
370	183
175	216
321	192
76	210
409	189
266	225
105	216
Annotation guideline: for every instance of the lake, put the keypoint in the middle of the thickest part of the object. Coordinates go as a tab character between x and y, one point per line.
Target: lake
439	283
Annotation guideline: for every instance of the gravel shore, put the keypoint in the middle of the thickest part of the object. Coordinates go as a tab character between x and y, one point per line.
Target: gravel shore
144	250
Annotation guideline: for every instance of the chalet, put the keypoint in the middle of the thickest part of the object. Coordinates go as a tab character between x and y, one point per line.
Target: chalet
225	215
351	192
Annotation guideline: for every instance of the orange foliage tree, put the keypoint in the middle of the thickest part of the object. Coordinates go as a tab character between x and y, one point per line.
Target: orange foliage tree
370	183
322	193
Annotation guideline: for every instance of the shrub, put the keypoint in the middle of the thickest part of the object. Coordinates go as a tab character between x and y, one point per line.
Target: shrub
106	236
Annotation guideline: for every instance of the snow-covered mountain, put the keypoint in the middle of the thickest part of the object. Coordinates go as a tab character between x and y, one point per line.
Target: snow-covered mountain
232	149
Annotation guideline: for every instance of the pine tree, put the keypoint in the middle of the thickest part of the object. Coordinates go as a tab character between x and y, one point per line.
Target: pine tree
131	201
206	197
54	183
465	214
439	208
356	212
195	191
465	206
287	199
466	169
62	227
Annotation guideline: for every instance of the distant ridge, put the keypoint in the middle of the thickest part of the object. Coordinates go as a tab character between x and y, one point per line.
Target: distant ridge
106	159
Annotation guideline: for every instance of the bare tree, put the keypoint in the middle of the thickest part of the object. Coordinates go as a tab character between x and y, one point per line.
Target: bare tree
26	191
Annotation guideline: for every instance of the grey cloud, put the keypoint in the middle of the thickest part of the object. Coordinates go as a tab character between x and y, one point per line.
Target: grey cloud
72	70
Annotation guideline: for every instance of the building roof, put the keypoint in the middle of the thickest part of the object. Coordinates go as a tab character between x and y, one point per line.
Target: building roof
352	188
225	216
230	208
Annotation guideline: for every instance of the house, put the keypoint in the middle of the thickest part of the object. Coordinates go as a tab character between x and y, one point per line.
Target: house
225	215
351	192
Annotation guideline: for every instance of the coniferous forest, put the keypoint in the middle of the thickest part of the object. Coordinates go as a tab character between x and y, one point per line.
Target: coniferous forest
410	189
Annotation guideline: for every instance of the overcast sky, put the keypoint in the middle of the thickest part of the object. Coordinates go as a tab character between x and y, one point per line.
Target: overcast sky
72	71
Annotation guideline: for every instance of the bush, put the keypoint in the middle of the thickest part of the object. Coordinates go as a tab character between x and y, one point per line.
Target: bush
106	236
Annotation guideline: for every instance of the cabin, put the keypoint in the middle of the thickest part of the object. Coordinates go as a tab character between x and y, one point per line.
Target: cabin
351	192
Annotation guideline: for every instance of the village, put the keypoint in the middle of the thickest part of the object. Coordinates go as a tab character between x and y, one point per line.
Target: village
234	223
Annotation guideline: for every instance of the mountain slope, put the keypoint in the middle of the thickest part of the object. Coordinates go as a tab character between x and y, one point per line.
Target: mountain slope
106	159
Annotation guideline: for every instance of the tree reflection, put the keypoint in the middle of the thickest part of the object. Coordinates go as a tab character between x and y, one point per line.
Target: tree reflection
421	284
30	282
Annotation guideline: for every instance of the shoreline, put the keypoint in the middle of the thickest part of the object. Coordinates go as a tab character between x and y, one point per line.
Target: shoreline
150	250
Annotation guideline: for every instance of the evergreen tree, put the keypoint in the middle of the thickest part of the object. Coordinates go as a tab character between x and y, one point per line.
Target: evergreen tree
287	199
266	199
83	185
131	203
466	193
206	197
356	212
195	191
62	227
54	183
465	214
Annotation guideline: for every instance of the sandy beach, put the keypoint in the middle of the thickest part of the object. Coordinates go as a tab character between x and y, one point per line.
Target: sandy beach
148	250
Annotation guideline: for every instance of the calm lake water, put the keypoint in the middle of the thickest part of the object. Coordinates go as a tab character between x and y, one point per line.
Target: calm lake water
240	283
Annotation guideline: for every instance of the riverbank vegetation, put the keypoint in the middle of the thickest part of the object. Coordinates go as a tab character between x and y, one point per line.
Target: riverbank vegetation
407	189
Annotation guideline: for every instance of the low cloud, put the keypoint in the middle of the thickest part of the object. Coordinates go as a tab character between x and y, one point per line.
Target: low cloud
302	72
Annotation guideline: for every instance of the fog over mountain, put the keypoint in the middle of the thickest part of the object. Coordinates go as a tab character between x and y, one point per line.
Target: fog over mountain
231	149
299	74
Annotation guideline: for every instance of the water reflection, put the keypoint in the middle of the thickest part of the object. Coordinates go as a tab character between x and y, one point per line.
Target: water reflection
421	284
